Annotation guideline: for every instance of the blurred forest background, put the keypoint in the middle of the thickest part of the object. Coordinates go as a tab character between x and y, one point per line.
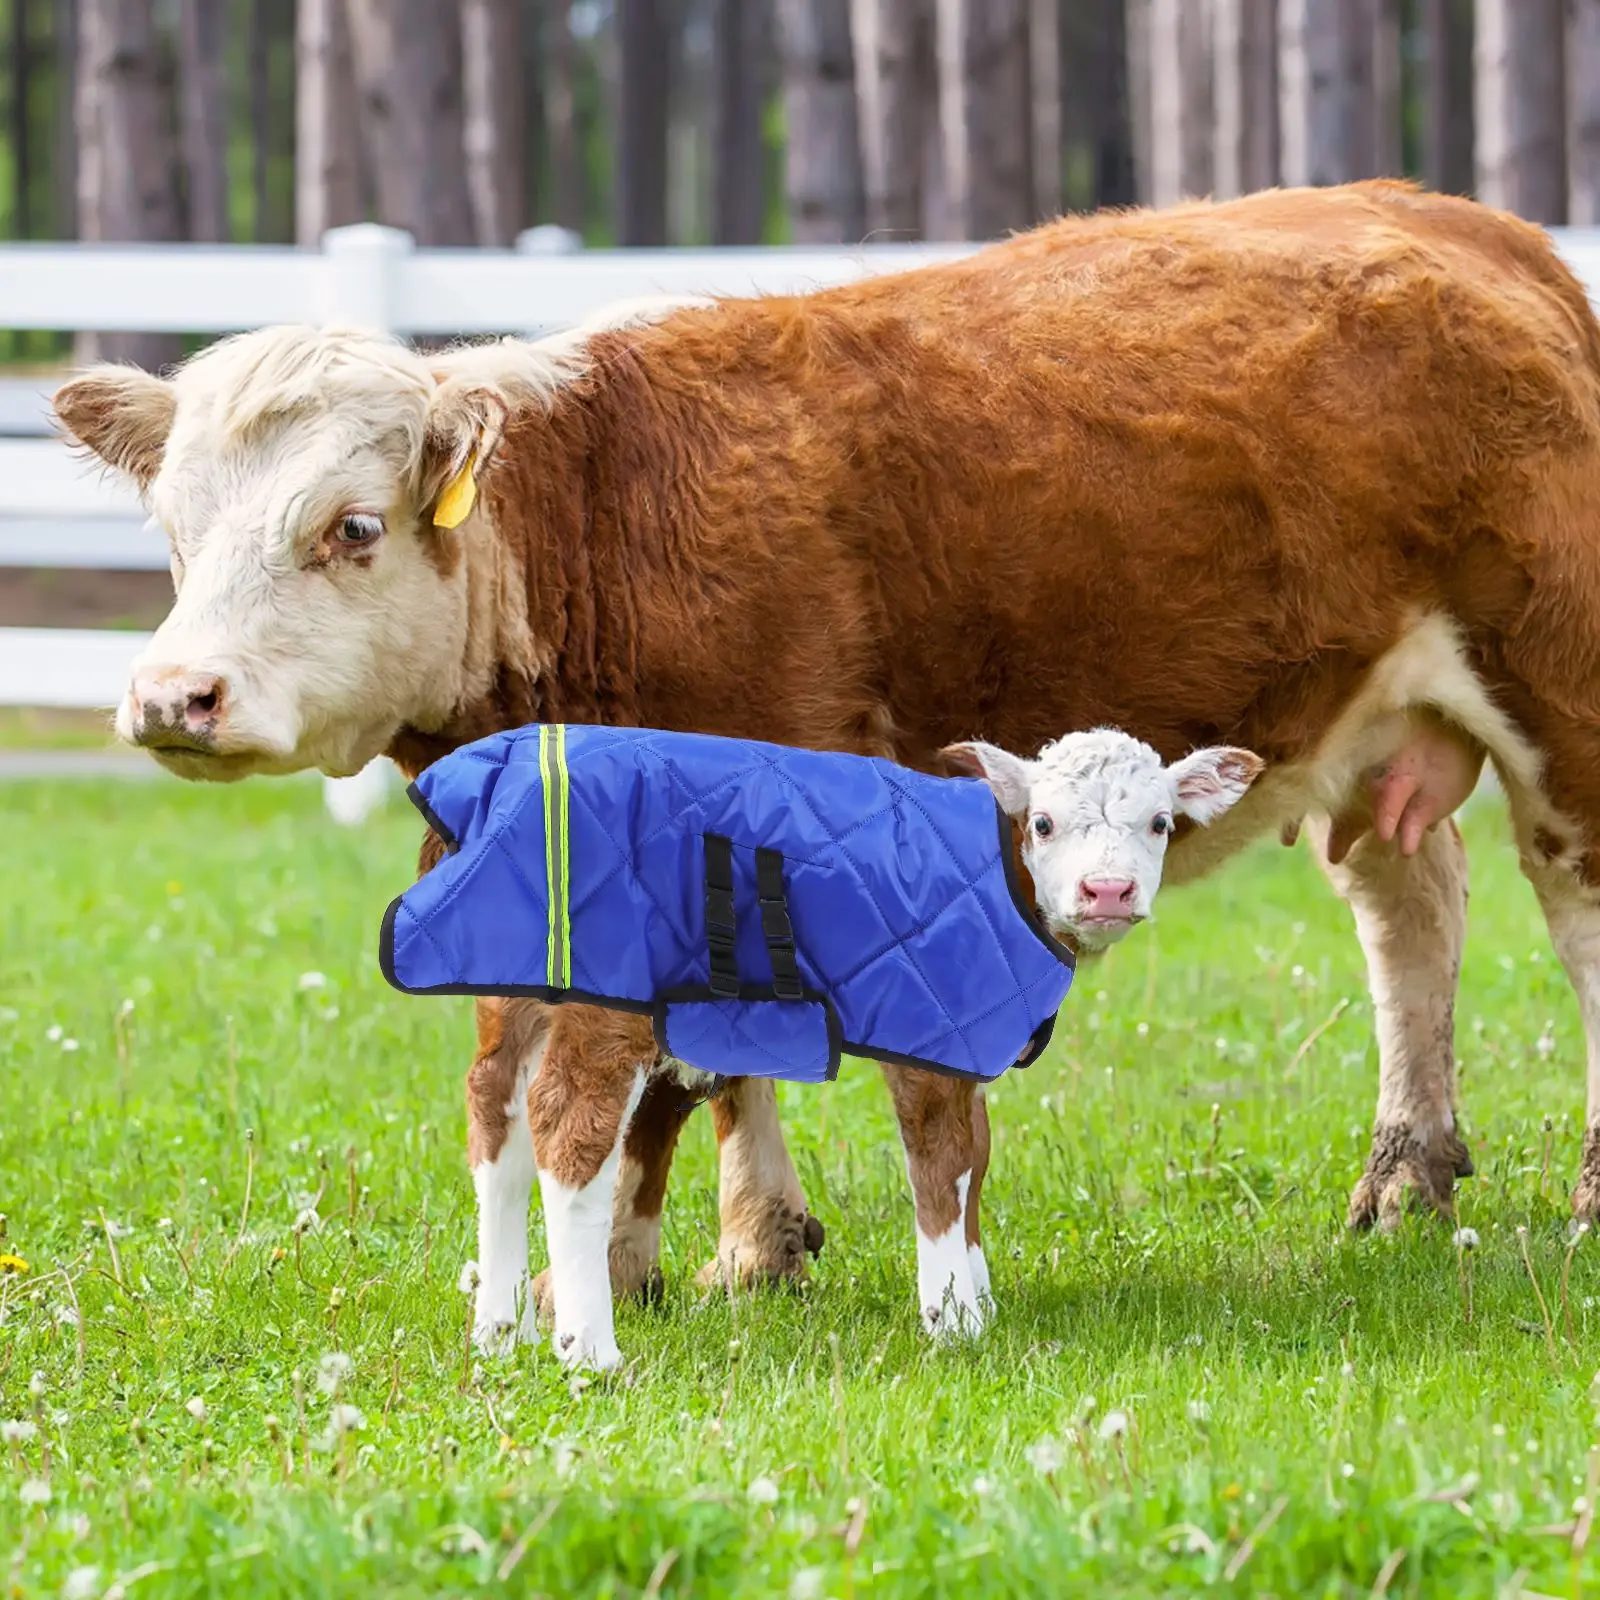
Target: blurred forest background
650	122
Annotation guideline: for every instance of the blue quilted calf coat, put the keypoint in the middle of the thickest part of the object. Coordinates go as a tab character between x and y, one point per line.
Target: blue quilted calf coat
769	907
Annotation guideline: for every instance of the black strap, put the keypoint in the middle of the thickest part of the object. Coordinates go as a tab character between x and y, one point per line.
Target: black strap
776	928
720	924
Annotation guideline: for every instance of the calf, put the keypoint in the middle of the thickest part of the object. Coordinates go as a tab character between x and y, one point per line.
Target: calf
1312	472
768	910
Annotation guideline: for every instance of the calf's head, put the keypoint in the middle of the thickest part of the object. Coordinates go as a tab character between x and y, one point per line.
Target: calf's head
1097	811
299	475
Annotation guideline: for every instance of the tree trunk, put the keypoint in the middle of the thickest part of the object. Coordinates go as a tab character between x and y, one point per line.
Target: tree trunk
898	89
1137	25
1246	86
64	16
21	131
1102	81
1388	89
127	171
1447	95
643	47
561	118
985	110
203	90
1519	62
408	63
1583	81
822	157
1181	100
494	132
739	43
1044	82
327	175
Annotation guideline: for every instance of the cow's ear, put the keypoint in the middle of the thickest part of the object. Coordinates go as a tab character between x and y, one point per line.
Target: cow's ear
1006	774
1208	782
462	432
122	414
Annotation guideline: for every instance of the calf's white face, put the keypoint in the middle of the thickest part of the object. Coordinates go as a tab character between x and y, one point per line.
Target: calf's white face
1097	811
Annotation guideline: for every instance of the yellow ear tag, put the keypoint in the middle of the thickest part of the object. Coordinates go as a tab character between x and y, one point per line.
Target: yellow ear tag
459	497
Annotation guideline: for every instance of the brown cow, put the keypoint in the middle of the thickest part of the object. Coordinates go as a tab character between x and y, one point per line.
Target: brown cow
1312	472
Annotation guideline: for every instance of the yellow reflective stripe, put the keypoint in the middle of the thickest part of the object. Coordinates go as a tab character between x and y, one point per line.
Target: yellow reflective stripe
557	866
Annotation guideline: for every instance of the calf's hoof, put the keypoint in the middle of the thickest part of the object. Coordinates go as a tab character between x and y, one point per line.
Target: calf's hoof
774	1251
1405	1175
649	1290
587	1351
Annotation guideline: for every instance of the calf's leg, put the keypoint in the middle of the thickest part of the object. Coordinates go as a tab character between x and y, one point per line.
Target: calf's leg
580	1104
512	1036
766	1230
1411	918
939	1122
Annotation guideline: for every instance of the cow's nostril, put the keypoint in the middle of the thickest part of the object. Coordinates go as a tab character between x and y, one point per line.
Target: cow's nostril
203	704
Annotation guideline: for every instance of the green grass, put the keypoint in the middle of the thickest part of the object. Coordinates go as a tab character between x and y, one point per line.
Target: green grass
1164	1222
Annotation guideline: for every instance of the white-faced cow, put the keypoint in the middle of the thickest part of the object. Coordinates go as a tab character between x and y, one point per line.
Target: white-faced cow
1315	473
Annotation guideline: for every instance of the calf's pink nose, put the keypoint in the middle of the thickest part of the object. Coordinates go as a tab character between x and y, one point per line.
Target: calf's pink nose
1106	897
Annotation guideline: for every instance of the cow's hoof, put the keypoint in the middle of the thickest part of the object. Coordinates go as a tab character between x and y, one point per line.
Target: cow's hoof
1405	1176
1586	1195
590	1352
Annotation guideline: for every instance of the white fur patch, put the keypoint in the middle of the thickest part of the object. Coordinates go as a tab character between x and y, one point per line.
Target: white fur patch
503	1313
945	1291
578	1231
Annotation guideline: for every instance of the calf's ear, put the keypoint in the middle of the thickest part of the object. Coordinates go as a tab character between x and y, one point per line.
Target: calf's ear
1006	774
1208	782
463	429
122	414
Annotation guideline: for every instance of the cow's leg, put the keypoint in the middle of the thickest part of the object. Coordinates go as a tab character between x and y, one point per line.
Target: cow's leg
1411	918
766	1229
579	1106
939	1128
511	1041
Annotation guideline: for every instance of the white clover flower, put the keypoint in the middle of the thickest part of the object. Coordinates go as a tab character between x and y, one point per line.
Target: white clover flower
1465	1238
83	1583
469	1280
1113	1424
19	1432
332	1370
1045	1457
196	1407
762	1492
35	1492
313	980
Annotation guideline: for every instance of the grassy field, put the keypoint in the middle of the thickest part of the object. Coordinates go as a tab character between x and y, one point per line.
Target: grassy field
1196	1382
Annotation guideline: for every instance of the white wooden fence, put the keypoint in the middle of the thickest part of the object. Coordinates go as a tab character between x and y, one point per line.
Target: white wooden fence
57	512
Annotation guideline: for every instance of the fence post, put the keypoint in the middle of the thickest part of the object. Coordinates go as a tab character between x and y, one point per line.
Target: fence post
547	239
359	289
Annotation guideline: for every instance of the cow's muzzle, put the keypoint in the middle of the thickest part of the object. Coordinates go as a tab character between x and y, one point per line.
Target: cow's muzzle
175	710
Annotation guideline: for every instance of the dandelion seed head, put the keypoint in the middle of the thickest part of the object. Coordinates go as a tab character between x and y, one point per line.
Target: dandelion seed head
1113	1424
809	1583
17	1432
313	980
196	1407
83	1583
55	1033
1347	1471
762	1492
332	1370
35	1492
344	1419
1465	1238
1045	1456
468	1281
1199	1411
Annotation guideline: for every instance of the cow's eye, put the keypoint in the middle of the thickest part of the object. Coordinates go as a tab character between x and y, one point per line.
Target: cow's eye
1161	824
360	529
1043	827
